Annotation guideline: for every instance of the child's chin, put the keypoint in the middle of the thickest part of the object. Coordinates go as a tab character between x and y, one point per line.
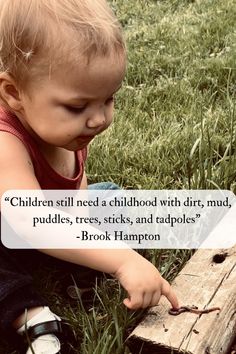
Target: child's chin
75	146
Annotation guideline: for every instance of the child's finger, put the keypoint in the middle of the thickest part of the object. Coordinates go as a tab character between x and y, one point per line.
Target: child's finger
155	298
134	302
126	302
147	299
168	292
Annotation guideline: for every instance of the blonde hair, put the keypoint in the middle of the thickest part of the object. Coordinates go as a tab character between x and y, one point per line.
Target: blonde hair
37	34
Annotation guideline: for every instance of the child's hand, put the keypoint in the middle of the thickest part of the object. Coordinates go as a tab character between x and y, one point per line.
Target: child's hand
144	284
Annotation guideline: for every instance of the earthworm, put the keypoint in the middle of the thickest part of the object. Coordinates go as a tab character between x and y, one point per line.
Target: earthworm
192	309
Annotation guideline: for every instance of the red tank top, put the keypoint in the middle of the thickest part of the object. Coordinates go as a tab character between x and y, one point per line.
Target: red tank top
47	177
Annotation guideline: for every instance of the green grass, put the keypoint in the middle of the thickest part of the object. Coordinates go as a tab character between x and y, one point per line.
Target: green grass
174	128
175	121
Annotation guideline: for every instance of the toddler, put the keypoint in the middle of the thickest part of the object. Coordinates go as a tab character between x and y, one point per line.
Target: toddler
62	62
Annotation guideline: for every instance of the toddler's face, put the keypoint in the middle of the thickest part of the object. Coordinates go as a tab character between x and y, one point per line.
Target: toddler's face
69	109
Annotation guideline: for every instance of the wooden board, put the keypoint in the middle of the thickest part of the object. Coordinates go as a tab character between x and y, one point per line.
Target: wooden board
203	283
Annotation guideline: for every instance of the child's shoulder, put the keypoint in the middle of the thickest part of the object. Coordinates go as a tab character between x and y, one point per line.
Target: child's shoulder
12	132
15	163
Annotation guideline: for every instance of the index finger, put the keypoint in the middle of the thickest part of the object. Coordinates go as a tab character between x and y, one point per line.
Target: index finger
169	293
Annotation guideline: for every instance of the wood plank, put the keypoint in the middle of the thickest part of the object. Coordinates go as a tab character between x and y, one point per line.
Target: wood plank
204	283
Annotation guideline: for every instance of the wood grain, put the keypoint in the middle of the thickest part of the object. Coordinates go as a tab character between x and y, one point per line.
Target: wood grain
204	283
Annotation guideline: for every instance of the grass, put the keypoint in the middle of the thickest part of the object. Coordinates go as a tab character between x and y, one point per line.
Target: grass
175	122
174	128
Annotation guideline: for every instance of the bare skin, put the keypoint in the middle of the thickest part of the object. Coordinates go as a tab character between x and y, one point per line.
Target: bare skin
30	313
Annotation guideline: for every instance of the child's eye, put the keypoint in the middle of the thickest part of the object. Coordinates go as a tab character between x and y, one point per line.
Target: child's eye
74	109
110	99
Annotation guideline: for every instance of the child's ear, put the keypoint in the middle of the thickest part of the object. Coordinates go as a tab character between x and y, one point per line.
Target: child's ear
9	92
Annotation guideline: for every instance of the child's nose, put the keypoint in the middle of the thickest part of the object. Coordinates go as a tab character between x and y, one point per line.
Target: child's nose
97	119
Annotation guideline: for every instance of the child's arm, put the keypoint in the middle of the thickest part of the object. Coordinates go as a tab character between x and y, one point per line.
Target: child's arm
138	276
